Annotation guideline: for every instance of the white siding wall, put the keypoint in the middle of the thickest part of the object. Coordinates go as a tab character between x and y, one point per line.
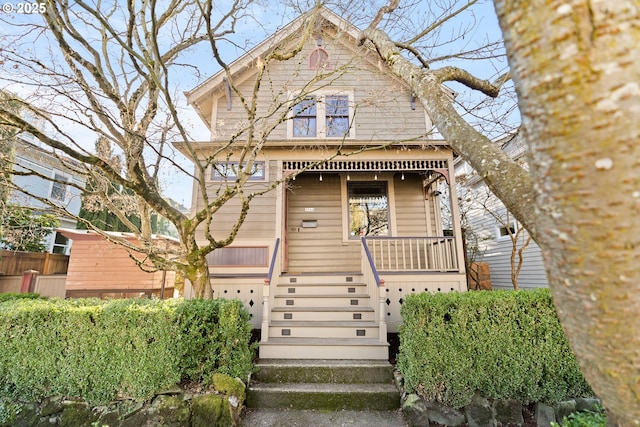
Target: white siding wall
497	251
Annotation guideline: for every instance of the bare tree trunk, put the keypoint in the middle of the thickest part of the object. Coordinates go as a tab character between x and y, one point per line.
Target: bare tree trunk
576	71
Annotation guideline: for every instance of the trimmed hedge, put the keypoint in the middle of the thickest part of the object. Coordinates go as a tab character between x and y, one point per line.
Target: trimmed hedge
101	350
501	344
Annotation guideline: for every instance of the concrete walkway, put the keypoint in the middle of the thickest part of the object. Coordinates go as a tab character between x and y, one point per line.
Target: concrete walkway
314	418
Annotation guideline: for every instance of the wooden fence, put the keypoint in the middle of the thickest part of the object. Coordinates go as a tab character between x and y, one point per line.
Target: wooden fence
12	263
48	286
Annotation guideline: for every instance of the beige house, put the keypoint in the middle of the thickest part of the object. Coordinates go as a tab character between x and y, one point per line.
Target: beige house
343	243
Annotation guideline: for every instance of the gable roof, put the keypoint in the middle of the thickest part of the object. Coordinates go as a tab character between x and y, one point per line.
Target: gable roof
201	95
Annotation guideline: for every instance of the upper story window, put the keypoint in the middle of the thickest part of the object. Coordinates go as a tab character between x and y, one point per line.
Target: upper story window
228	171
323	116
58	188
305	118
337	115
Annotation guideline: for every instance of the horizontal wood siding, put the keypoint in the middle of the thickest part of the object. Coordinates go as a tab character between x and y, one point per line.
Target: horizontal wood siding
497	252
383	105
260	221
411	217
318	249
97	265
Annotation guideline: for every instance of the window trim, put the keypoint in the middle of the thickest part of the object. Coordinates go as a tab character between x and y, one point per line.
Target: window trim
321	117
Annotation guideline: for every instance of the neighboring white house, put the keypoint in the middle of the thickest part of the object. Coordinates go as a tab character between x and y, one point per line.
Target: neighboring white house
32	156
489	235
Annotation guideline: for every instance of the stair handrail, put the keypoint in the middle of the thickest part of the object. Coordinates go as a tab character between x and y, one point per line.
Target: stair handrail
274	258
377	292
372	264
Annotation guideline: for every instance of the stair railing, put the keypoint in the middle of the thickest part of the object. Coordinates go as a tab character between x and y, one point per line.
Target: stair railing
375	286
266	292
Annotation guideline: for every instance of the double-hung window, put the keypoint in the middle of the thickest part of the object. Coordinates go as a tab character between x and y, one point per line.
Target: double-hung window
305	118
323	116
58	188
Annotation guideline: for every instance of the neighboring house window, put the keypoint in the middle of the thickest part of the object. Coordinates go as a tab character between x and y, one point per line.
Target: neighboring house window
61	244
368	209
228	171
503	232
59	188
323	116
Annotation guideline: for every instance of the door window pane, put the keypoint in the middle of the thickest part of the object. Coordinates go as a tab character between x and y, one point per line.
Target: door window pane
368	209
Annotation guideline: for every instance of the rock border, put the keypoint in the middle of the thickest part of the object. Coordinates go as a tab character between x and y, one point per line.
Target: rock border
172	407
483	412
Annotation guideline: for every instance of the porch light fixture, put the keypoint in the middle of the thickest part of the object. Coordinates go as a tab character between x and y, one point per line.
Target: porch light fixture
348	177
320	176
375	177
402	176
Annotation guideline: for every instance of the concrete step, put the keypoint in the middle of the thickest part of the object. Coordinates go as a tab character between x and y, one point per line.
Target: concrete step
324	348
324	396
323	329
323	371
325	385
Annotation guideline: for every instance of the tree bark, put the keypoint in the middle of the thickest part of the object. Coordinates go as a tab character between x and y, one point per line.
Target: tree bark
576	71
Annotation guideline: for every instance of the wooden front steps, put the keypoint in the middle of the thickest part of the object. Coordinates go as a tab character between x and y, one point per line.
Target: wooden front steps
322	317
323	385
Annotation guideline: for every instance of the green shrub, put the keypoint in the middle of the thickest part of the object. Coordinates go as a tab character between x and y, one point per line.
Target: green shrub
104	349
584	419
10	296
500	344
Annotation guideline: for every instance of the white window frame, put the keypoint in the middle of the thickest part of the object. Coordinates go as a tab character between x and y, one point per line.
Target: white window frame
499	236
321	114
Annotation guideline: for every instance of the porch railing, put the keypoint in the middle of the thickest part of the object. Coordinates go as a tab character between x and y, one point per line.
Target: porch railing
266	291
396	254
375	288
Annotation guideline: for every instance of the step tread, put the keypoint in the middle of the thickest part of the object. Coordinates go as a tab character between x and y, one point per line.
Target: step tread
306	285
333	388
354	308
345	295
323	323
284	363
324	341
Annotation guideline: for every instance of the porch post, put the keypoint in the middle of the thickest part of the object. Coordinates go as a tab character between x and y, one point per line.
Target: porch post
455	213
266	310
382	320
